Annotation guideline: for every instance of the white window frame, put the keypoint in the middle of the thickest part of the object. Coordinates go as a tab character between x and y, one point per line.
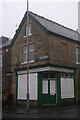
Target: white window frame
25	52
31	50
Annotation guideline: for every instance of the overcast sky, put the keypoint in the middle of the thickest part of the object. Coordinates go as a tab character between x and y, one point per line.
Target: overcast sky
64	12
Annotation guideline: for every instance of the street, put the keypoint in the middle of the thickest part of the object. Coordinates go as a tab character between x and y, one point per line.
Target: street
66	112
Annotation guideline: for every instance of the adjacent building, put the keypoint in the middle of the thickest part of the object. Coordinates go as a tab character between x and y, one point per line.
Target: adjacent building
6	67
54	52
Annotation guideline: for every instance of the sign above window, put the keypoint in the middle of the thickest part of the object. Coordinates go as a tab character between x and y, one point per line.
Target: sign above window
43	57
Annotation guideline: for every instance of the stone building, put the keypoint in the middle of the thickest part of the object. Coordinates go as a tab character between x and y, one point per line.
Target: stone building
54	53
6	66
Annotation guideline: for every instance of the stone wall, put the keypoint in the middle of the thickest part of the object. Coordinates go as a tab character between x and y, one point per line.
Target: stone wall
60	51
6	69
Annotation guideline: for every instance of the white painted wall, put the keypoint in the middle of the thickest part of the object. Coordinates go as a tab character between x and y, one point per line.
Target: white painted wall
67	88
22	86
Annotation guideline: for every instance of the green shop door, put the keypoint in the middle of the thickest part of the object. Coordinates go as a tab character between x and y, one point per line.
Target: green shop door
48	92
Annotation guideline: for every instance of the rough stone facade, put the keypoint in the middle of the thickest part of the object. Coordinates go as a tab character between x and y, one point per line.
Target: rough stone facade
60	50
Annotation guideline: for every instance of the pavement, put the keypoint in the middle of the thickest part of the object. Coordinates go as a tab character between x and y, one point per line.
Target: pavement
71	111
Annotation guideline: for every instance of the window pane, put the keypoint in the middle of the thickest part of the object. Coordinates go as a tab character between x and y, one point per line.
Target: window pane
25	57
78	55
67	88
45	87
25	49
79	50
79	58
32	55
31	47
29	29
25	54
52	87
76	50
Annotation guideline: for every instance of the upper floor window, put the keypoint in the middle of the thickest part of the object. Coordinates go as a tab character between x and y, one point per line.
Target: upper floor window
78	55
30	55
31	52
29	30
25	54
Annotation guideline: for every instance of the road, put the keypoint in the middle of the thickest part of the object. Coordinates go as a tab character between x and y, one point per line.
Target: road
72	111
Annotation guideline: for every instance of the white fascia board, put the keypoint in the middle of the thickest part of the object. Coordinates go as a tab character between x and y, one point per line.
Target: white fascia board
46	69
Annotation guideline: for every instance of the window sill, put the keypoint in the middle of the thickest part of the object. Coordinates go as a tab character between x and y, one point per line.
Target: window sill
77	63
26	62
28	35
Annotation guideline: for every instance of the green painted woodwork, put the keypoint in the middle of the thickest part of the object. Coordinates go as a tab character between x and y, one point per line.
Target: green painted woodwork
58	89
21	25
49	87
16	88
44	65
44	98
39	102
48	98
18	31
74	87
41	26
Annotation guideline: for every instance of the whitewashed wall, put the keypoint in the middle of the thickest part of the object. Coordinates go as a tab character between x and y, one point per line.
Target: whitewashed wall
22	86
67	88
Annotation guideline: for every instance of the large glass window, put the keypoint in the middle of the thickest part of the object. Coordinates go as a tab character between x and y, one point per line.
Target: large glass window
78	55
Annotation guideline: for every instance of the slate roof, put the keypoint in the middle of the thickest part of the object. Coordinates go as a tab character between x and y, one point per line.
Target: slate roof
56	28
7	43
4	43
51	26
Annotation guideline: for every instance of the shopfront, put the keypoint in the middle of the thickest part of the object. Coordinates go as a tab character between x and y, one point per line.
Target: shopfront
47	88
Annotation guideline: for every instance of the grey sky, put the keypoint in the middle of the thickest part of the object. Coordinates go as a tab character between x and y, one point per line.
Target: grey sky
64	12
